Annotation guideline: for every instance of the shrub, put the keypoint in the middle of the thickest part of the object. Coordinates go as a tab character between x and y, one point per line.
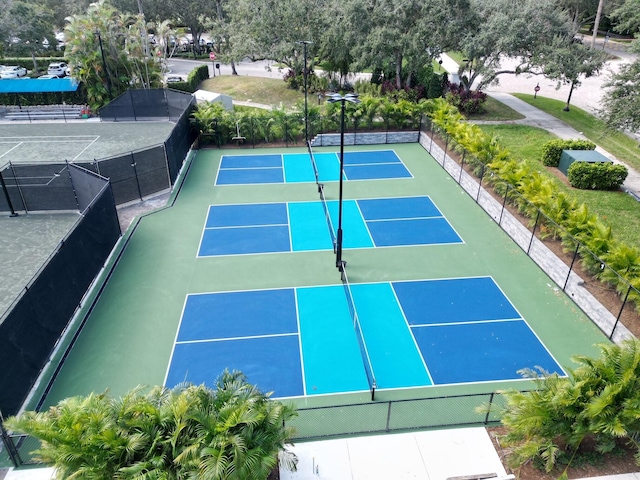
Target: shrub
597	176
552	150
467	101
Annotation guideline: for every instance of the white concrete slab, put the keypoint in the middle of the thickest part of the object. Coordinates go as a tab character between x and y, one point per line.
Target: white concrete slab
30	474
326	459
459	452
431	455
394	456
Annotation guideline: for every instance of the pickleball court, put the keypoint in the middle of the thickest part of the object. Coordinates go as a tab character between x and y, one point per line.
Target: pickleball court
241	274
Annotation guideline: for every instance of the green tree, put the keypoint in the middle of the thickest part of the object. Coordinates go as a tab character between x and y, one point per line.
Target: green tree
502	31
107	52
234	432
627	16
27	25
621	101
600	399
567	60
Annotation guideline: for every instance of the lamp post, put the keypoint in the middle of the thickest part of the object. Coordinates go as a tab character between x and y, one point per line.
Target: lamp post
104	65
334	98
304	75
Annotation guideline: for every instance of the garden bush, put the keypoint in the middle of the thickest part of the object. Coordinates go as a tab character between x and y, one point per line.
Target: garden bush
597	176
195	78
552	150
467	101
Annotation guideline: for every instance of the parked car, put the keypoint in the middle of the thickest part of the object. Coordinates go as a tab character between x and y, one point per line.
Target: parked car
57	68
13	72
44	77
174	79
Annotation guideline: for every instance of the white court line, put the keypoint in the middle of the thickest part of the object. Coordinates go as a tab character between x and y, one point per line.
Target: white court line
10	150
51	136
85	149
84	140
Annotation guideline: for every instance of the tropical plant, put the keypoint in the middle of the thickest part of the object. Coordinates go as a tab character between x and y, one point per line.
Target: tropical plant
600	400
233	432
108	53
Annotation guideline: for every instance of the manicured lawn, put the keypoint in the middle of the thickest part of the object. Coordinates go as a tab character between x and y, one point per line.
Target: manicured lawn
494	110
618	209
616	143
268	91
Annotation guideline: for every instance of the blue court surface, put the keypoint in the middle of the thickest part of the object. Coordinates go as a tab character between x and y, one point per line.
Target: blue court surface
303	341
297	167
242	229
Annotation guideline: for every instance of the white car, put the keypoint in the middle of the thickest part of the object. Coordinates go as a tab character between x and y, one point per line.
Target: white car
13	72
57	68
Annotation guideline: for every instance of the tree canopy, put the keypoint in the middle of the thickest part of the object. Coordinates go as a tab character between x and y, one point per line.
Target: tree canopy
621	101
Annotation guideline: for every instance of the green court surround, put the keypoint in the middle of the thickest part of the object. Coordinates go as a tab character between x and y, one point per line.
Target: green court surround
130	333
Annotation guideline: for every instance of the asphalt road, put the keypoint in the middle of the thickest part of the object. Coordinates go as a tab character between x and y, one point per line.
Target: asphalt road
586	96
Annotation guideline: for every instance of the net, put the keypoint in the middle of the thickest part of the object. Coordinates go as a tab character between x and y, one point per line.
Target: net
366	359
332	231
327	215
314	164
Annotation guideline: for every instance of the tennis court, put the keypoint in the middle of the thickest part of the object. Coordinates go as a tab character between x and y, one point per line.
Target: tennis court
77	142
243	276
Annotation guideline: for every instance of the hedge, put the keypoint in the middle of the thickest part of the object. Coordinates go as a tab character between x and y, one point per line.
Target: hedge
597	176
552	150
195	78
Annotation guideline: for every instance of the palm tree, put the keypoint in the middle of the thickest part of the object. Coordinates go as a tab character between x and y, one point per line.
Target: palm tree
231	432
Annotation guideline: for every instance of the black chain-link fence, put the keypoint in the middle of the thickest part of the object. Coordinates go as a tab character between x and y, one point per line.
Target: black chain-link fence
151	104
395	415
605	296
34	323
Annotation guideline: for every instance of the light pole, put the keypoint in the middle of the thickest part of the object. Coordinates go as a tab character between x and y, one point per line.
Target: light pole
304	75
104	65
334	98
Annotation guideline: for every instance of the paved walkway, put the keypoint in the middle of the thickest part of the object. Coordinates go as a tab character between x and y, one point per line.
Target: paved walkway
538	118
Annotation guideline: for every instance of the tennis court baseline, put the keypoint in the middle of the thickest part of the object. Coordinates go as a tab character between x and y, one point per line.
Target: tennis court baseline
301	341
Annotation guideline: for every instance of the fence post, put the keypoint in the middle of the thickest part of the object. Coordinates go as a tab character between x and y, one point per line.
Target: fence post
446	145
575	255
388	416
15	179
431	143
533	234
14	455
486	418
504	202
461	166
480	183
135	174
73	187
615	325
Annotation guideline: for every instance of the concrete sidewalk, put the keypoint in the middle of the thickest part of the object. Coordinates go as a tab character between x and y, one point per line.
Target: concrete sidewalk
537	118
